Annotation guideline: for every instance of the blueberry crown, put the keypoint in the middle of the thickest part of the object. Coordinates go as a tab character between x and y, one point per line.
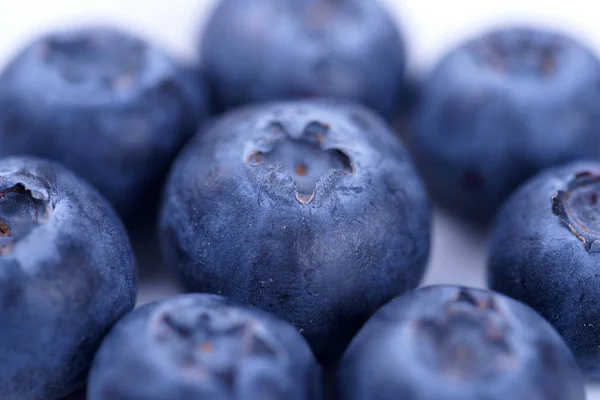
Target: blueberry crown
469	337
211	343
21	210
303	156
577	208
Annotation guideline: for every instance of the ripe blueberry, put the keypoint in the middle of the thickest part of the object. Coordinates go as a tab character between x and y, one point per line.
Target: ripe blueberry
544	251
267	50
107	105
203	346
454	343
499	109
311	210
67	275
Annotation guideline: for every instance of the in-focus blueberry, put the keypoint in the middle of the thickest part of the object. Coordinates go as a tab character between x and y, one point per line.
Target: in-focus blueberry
267	50
110	107
201	346
311	210
545	252
67	274
499	109
455	343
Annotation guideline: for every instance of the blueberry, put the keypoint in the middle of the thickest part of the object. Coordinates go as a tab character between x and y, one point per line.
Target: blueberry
499	109
309	209
67	274
202	346
269	50
109	106
544	251
455	343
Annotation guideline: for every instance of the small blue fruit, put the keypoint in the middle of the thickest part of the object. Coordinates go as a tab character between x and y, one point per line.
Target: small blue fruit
544	251
267	50
67	274
454	343
201	346
499	109
310	210
109	106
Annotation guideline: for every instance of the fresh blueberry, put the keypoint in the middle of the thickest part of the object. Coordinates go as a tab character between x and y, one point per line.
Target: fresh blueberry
67	274
545	252
202	346
311	210
499	109
454	343
267	50
107	105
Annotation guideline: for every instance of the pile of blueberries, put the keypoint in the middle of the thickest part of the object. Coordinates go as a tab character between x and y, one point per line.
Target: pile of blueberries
293	215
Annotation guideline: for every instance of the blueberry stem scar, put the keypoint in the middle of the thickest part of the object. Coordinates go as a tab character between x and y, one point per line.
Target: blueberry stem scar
20	210
304	158
577	206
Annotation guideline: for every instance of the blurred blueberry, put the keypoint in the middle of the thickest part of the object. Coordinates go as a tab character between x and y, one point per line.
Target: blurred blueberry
202	346
454	343
109	106
500	108
266	50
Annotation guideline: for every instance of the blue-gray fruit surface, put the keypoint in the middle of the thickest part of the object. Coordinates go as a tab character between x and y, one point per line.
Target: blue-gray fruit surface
202	346
109	106
500	108
544	251
267	50
67	274
310	210
456	343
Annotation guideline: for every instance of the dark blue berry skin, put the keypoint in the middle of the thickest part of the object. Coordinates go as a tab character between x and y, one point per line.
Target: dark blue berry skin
202	346
268	50
544	252
109	106
67	274
499	109
454	343
310	210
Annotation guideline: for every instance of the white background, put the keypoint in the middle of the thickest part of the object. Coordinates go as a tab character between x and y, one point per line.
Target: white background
431	26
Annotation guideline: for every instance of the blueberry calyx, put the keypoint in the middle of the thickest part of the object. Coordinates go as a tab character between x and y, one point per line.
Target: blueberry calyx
305	157
479	302
21	210
318	16
95	57
452	336
200	340
520	55
577	207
